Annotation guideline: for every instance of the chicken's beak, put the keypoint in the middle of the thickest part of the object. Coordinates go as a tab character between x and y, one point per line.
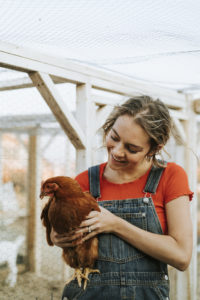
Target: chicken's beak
42	195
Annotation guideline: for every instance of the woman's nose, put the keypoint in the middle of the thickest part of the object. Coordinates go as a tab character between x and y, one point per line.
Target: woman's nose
118	151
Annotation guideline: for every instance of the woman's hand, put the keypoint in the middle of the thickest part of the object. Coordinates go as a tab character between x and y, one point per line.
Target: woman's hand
66	239
97	222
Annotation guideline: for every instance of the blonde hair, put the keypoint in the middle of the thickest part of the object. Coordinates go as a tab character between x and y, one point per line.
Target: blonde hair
152	115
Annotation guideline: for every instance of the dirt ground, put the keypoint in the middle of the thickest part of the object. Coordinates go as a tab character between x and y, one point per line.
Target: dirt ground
29	287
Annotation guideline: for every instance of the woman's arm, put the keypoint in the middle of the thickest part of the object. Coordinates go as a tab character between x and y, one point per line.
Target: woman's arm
175	248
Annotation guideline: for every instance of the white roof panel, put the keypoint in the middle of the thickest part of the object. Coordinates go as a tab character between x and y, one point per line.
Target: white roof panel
151	40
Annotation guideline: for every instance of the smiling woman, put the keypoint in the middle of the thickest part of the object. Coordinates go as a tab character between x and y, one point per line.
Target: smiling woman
144	223
127	144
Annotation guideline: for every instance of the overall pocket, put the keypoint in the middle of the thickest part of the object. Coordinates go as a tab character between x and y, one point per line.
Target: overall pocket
112	248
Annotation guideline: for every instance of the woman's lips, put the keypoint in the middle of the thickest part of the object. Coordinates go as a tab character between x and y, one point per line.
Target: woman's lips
116	160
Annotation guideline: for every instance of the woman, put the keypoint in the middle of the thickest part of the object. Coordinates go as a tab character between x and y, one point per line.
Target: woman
144	223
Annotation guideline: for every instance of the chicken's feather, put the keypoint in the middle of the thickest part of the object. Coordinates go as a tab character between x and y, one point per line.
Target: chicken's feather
46	222
66	209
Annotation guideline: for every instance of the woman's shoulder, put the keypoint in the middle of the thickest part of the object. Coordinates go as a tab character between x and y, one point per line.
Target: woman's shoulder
83	179
174	169
175	182
174	173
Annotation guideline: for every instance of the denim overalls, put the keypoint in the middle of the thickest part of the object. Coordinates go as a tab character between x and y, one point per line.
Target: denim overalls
125	272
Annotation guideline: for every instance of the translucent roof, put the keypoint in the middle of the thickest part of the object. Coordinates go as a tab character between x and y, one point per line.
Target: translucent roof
151	40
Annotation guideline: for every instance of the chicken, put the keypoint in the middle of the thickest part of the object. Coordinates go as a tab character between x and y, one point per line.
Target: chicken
66	208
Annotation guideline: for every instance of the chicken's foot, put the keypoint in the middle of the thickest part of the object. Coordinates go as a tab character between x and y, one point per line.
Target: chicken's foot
79	275
86	273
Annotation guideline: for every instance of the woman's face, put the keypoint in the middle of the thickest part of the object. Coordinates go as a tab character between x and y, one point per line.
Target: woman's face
127	144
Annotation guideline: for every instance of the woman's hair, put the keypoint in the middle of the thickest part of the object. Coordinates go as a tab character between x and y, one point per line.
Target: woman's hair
152	115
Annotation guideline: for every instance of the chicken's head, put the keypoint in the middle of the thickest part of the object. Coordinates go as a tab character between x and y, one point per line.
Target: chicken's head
48	189
61	186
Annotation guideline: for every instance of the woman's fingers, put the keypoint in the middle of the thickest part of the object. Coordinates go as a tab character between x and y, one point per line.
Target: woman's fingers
96	222
66	240
88	233
88	222
92	214
88	229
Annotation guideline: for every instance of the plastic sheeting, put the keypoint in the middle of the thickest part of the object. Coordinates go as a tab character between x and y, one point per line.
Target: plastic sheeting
151	40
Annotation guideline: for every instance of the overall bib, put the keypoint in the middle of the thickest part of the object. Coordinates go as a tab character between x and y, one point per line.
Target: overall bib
125	272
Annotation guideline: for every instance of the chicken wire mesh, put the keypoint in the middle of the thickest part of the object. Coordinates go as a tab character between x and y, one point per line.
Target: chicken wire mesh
19	123
15	216
146	40
25	116
56	156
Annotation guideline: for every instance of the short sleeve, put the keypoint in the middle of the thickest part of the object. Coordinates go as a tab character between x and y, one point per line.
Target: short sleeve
175	183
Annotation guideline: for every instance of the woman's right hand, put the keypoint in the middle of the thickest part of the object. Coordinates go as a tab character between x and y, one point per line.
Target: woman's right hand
65	239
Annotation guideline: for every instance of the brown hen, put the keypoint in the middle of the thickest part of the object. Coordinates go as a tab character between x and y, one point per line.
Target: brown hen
66	208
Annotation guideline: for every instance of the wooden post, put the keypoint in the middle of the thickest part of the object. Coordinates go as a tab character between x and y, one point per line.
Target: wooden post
34	222
68	159
1	162
85	115
187	281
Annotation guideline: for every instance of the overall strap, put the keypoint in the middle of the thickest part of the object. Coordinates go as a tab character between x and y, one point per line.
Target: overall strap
94	181
154	179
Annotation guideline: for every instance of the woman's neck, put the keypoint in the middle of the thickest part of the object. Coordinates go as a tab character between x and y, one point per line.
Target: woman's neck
124	176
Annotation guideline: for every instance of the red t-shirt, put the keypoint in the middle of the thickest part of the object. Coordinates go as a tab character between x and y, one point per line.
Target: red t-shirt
173	184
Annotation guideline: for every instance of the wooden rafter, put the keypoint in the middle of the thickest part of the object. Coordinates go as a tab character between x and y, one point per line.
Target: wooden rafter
23	82
46	87
26	60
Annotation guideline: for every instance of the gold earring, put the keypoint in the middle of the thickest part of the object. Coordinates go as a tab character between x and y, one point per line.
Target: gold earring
148	157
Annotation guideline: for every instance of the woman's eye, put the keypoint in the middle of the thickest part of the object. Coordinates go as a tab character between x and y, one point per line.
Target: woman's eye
114	138
131	150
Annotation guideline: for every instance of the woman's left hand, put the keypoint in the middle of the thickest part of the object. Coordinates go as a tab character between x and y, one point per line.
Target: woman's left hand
97	222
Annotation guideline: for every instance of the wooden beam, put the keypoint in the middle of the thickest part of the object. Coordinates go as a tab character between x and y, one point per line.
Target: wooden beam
22	83
26	60
33	130
101	115
1	162
10	121
34	179
17	83
102	100
85	114
49	142
187	281
178	114
46	87
191	165
31	124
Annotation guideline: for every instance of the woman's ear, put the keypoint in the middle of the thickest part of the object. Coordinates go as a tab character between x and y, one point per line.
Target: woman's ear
159	148
156	150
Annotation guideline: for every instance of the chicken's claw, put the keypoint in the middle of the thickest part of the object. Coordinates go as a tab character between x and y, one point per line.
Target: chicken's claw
78	274
87	271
